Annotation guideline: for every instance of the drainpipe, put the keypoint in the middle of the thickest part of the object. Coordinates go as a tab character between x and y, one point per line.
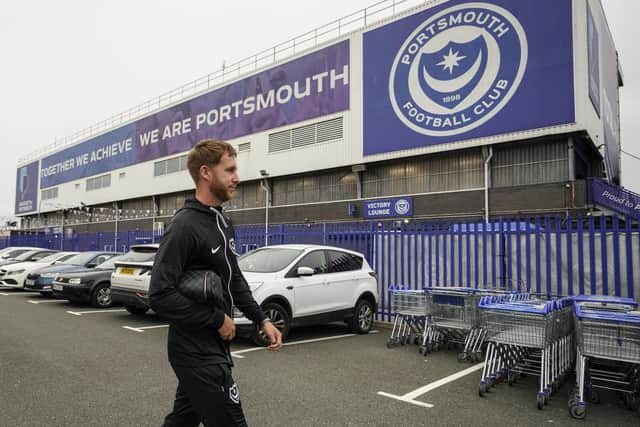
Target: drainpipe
487	161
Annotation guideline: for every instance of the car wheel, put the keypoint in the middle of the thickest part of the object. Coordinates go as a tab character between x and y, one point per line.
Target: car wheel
136	310
101	296
362	319
280	319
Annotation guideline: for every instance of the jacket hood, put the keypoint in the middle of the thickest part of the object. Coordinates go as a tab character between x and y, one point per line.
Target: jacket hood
196	205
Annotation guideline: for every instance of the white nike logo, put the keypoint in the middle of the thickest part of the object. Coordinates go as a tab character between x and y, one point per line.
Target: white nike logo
214	251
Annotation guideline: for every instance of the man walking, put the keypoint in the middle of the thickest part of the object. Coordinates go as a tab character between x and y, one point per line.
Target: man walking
201	237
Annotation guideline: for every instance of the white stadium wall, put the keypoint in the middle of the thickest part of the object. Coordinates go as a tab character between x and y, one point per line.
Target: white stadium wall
537	85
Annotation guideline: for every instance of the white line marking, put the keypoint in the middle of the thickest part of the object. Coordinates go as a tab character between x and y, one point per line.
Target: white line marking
412	395
415	402
142	328
80	313
6	294
252	349
46	300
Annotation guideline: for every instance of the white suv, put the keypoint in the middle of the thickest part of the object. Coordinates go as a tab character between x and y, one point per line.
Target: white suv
131	277
309	284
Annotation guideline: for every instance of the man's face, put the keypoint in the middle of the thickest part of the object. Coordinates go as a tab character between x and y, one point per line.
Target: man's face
224	178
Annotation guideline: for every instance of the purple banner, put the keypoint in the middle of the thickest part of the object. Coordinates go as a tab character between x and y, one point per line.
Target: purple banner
593	53
312	86
615	198
27	189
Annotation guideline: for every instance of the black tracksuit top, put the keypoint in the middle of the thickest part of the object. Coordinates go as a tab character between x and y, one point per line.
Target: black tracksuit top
198	238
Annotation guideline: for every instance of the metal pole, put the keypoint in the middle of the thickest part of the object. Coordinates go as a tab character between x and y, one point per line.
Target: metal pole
115	235
266	215
486	184
62	231
153	221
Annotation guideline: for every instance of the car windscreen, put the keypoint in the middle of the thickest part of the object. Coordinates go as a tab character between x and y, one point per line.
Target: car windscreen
79	259
267	260
53	257
14	253
109	264
39	255
28	254
139	255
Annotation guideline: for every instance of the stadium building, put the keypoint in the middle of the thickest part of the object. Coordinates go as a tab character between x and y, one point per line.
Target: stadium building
437	109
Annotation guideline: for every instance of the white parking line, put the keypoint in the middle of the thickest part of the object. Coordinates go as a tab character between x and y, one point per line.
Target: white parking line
142	328
412	395
6	294
252	349
46	300
80	313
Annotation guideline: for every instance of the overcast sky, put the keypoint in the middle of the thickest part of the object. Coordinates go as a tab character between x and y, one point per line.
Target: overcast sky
69	64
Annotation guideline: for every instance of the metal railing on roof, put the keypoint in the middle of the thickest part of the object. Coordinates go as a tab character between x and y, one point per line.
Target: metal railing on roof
355	21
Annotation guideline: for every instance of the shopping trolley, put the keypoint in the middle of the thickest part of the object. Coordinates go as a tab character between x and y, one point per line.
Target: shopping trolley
409	320
608	351
453	318
527	336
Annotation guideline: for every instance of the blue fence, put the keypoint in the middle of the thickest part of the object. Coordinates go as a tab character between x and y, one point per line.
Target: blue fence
544	255
109	241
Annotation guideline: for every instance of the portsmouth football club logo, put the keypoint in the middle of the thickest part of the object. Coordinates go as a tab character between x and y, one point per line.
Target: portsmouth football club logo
234	394
458	69
402	206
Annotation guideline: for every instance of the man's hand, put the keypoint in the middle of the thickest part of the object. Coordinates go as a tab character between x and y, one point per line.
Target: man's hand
228	329
273	334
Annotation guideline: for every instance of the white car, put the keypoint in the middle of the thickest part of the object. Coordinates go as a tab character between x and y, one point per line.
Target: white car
14	275
14	251
309	284
131	277
35	254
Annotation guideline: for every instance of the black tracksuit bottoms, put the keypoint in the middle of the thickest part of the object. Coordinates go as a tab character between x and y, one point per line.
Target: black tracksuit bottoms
206	394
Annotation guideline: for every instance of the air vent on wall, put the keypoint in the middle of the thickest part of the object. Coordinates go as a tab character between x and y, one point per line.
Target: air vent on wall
329	130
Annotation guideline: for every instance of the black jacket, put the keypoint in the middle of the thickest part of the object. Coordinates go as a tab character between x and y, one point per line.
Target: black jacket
198	238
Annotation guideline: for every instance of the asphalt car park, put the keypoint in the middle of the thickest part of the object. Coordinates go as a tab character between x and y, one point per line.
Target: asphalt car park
64	364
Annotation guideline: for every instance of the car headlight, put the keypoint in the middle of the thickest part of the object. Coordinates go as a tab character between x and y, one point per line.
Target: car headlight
49	275
254	286
75	281
15	272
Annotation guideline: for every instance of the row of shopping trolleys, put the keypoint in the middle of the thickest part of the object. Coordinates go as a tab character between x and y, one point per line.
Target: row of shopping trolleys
520	334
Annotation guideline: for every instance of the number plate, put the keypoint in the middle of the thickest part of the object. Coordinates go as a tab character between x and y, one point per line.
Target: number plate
57	287
29	282
127	270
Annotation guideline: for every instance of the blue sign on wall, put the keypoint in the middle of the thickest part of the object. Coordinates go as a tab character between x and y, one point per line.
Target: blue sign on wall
388	208
464	70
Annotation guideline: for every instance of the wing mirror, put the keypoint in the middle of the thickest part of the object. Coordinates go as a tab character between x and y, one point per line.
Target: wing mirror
305	271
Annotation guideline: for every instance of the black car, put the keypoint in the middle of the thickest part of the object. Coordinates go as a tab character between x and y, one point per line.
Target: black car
87	285
40	280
